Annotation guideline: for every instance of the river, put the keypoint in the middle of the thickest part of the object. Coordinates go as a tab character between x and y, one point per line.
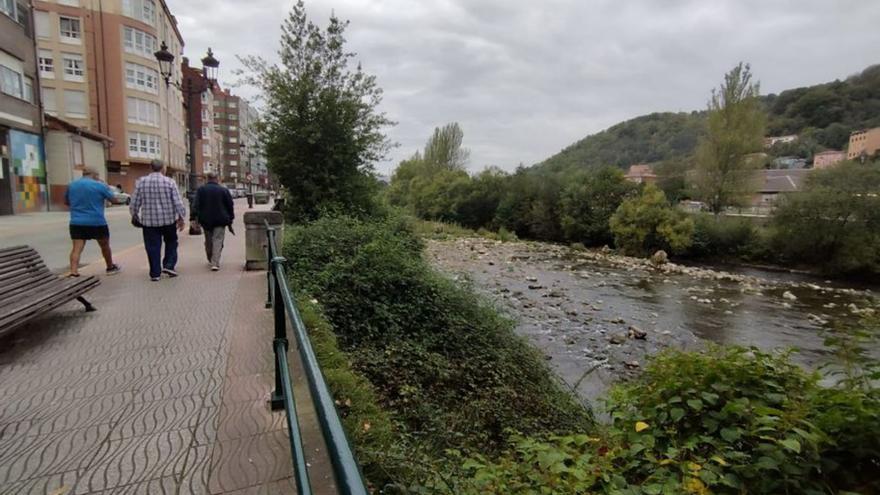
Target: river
597	316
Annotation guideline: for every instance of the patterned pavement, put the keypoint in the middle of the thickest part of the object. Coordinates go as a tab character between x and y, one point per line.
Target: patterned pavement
163	390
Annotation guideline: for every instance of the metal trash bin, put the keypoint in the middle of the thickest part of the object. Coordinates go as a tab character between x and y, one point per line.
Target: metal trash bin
255	236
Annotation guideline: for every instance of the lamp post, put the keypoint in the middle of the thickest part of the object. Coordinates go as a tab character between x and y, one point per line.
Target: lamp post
189	89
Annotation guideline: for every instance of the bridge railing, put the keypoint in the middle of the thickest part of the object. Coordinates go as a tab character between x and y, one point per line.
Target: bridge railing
348	477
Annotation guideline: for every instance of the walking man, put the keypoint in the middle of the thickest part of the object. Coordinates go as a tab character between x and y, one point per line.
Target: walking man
85	197
156	205
214	210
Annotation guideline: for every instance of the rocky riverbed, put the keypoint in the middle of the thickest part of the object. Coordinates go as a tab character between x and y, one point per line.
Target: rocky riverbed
597	315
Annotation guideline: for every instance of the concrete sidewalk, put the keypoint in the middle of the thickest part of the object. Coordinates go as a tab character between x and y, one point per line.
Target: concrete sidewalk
163	390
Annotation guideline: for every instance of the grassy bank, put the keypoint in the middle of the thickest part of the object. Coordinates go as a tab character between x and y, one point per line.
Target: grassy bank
440	397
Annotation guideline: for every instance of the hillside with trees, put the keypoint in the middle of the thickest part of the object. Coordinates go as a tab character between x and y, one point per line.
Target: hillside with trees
822	115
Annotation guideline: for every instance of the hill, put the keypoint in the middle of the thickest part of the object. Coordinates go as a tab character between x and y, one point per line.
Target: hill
823	115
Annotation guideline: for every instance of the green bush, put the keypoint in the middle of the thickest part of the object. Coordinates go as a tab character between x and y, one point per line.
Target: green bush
723	237
647	222
441	360
722	421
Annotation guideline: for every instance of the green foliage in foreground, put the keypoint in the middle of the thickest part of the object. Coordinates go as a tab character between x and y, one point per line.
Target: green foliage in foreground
444	364
724	421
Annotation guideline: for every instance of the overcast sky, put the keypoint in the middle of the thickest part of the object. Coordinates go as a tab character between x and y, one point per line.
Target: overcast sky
526	78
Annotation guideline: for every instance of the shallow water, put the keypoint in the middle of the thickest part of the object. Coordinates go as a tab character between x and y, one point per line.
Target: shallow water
579	308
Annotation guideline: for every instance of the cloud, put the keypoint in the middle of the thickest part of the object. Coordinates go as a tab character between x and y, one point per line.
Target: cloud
525	79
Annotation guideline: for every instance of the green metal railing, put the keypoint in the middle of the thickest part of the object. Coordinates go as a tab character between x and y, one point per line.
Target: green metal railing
347	473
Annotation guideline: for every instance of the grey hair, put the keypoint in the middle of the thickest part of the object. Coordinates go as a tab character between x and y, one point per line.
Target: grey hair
157	165
211	175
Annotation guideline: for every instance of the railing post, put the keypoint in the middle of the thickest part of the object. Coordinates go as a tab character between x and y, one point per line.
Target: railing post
280	333
270	238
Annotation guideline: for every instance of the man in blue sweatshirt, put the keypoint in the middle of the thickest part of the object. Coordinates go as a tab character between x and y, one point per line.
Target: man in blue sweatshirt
85	197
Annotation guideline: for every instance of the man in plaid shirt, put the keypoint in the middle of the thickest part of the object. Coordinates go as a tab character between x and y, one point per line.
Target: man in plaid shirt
156	205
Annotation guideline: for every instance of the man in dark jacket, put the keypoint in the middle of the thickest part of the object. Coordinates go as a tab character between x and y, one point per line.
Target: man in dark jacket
214	210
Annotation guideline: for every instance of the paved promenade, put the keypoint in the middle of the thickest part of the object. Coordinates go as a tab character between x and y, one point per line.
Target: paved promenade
161	391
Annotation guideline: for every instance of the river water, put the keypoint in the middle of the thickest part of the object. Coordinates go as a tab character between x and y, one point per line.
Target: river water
597	316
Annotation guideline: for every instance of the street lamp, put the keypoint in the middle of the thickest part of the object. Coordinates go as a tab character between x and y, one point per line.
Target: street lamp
189	90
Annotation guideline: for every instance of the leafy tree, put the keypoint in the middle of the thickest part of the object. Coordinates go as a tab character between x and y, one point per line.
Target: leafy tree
587	203
322	130
444	148
672	178
647	222
724	176
835	221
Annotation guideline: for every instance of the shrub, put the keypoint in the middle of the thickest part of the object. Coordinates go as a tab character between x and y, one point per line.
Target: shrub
647	222
589	200
721	236
446	364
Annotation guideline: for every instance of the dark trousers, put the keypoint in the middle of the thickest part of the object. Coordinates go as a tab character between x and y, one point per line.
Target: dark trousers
153	238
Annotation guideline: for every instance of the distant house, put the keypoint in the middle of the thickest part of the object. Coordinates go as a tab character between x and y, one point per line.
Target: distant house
865	142
773	183
770	141
828	158
69	149
789	162
641	174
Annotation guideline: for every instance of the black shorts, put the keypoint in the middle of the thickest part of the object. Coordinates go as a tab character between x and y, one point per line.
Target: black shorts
86	232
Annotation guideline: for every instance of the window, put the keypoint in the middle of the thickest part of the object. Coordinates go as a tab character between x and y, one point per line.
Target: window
233	116
72	3
206	149
233	128
41	24
206	133
217	103
46	62
218	115
8	7
233	163
143	145
233	139
217	127
204	97
143	78
233	151
50	104
28	89
70	29
77	147
143	112
74	69
75	103
138	42
206	116
10	82
233	104
142	10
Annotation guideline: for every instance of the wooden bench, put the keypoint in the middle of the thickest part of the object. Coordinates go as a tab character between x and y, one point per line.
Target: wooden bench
28	289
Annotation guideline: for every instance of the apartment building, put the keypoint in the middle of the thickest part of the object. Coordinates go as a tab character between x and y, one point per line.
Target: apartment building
252	161
226	122
97	71
22	156
864	142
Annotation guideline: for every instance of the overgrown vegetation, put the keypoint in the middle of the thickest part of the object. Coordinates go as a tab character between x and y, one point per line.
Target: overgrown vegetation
446	367
725	421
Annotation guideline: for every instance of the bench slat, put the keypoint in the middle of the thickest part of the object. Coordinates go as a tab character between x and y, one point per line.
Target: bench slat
29	289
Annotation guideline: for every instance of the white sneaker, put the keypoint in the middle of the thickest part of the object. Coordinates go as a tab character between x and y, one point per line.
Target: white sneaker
214	268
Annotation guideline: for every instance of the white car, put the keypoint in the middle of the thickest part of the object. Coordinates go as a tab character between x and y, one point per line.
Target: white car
120	196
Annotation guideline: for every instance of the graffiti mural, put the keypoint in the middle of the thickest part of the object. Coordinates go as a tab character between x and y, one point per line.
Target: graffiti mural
29	170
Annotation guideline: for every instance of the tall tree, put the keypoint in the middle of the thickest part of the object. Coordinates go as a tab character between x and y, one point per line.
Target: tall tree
321	129
444	148
725	175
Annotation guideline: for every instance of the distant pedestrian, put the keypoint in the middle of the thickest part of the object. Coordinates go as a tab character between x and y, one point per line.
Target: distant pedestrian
86	197
214	210
157	207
